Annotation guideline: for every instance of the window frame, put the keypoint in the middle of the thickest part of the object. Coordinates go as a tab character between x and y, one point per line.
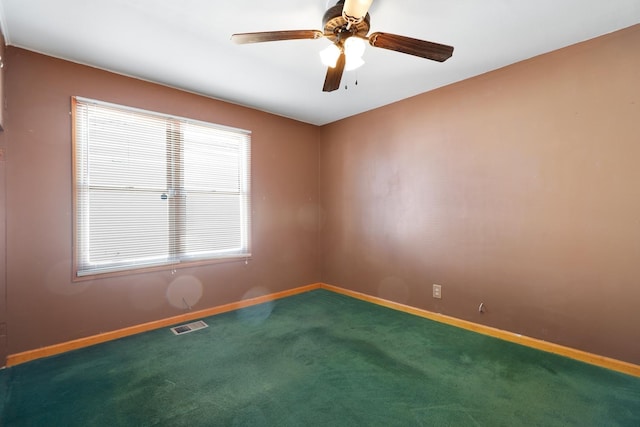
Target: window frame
184	259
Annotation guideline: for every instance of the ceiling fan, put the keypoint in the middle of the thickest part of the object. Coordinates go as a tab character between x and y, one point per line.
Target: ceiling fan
346	24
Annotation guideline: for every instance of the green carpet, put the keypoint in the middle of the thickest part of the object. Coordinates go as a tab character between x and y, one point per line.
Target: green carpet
315	359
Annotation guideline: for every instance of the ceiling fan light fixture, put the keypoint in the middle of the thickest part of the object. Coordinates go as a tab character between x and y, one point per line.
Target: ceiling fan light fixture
353	50
353	63
354	47
329	55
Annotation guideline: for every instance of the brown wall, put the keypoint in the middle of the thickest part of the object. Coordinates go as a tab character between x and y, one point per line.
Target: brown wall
2	64
519	188
3	257
45	306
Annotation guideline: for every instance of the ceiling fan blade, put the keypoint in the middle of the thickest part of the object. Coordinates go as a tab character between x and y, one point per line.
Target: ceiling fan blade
435	51
334	75
272	36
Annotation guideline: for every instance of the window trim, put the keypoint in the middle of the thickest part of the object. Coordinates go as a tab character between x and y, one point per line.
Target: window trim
185	262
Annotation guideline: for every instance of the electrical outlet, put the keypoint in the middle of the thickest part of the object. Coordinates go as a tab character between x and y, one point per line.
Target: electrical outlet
437	291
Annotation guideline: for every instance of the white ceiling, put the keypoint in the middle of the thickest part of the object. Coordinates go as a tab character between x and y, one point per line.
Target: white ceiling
186	44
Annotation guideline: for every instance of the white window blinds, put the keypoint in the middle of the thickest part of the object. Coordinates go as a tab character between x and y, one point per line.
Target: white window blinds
154	190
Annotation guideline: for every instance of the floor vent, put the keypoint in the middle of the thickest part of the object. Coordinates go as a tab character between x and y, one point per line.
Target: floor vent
189	327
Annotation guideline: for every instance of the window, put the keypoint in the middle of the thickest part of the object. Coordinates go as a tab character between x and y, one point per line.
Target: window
155	190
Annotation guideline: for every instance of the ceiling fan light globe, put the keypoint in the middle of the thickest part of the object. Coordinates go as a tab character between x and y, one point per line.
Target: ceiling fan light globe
329	55
353	63
354	47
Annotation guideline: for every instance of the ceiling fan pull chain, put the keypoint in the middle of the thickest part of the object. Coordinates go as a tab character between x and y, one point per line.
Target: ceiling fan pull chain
346	87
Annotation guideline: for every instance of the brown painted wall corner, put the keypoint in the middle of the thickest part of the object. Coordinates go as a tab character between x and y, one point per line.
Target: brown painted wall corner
44	306
3	241
2	65
517	189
